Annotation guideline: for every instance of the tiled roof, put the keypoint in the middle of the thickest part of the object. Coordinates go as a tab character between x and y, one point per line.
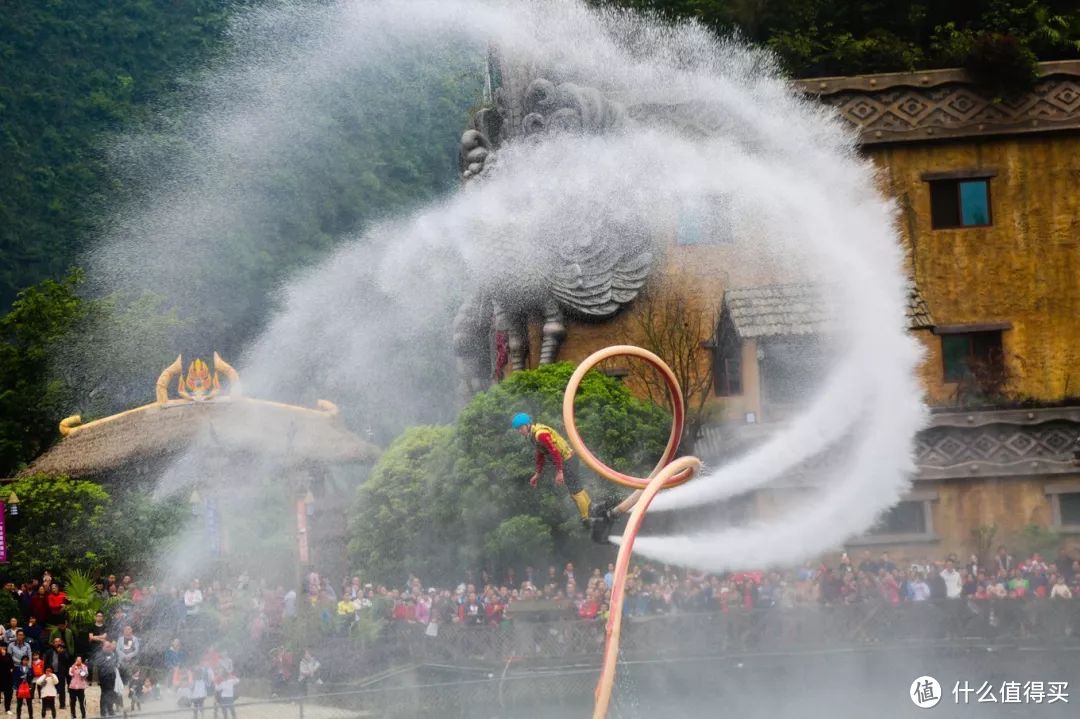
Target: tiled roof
918	312
800	309
777	310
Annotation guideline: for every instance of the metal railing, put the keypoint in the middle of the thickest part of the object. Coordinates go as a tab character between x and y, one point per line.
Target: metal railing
1035	622
526	664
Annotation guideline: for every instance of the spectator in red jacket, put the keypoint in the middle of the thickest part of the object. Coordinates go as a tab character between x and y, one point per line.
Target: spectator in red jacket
590	607
56	600
39	605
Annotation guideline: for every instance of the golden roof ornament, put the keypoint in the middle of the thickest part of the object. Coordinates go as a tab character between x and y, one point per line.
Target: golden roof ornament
200	383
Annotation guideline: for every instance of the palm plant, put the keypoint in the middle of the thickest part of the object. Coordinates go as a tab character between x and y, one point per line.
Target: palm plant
83	600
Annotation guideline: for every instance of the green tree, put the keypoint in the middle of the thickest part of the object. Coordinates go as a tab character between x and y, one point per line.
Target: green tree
847	37
67	524
84	601
1036	539
519	541
52	325
31	400
392	522
73	71
438	495
59	526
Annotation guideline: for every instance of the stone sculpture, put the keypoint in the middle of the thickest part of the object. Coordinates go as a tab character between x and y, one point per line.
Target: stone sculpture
590	272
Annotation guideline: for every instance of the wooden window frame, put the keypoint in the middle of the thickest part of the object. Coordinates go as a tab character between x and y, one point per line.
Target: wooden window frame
982	329
1053	493
726	336
957	177
926	499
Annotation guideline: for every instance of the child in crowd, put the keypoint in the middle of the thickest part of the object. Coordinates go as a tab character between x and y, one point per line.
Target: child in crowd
24	687
135	689
37	666
47	687
226	691
78	678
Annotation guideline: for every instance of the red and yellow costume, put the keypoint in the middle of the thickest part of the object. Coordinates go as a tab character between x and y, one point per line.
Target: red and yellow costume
550	443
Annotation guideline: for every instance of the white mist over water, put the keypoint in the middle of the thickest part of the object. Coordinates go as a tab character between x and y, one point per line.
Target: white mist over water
363	325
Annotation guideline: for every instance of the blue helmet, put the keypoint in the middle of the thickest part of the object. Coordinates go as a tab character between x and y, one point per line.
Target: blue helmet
520	420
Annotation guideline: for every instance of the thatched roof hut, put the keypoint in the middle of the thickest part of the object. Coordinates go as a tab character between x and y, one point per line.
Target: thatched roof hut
228	424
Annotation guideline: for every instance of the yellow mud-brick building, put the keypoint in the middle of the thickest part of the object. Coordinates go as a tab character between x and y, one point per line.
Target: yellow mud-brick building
988	191
989	195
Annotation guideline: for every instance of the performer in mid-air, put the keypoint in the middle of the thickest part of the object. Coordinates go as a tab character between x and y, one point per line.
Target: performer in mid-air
552	445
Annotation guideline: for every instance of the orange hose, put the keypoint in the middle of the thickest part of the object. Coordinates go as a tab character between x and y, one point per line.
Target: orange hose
667	473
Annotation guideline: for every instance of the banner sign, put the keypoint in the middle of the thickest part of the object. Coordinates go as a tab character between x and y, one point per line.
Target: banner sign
213	526
3	532
301	530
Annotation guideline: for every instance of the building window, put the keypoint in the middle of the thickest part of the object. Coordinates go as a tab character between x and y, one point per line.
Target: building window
1069	509
704	221
1065	505
959	203
727	377
967	354
727	361
909	521
904	518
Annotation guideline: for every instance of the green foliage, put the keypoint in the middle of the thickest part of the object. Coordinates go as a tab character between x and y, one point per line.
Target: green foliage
69	524
443	499
367	628
304	629
519	541
848	37
8	606
84	601
51	320
31	401
106	109
1002	63
1039	539
395	509
59	525
982	537
73	70
136	527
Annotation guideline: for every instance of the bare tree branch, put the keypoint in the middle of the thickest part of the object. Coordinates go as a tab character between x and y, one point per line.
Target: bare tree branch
671	322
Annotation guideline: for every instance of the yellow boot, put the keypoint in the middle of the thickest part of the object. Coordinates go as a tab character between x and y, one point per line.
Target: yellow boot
581	499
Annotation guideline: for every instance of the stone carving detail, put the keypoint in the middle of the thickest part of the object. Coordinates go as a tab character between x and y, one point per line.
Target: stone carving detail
475	154
590	271
946	104
941	452
995	443
567	108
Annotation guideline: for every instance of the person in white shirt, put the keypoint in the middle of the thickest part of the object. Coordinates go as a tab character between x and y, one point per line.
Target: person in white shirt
193	598
9	633
1060	590
309	671
48	682
954	584
920	591
200	689
226	689
289	601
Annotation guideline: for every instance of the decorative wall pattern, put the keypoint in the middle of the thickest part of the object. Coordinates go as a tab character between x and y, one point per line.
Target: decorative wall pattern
999	443
942	451
946	103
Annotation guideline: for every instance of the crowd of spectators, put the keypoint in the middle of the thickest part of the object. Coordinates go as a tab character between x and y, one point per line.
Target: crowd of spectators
652	589
45	658
186	655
